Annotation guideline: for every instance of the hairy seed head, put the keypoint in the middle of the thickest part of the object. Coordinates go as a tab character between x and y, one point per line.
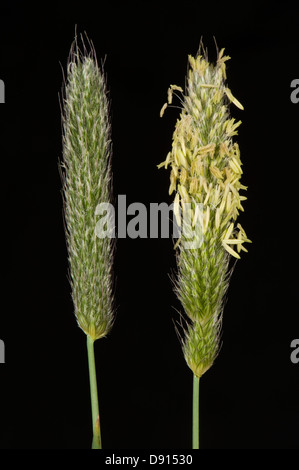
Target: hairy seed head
86	175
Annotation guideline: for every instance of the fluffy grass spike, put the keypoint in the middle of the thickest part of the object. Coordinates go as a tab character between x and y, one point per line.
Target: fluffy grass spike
86	175
205	176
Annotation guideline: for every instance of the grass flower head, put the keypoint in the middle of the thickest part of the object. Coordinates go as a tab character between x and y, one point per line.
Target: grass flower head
206	172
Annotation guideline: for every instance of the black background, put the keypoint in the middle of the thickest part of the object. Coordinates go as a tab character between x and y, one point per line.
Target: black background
249	399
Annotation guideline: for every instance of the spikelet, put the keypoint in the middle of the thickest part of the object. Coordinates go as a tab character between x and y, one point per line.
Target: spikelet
207	188
86	175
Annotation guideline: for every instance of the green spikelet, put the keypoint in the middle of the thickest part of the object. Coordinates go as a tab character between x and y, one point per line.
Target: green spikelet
205	176
87	183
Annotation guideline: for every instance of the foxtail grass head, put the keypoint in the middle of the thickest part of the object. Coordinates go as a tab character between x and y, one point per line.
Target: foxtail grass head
86	175
205	174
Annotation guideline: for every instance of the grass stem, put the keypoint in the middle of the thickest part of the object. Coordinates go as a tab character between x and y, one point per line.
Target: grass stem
96	441
195	421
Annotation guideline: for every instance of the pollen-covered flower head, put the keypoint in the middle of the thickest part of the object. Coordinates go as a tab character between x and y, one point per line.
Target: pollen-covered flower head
205	161
205	175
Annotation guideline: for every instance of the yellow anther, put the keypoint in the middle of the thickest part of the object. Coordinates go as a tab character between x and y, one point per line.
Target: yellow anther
216	172
223	150
163	109
181	159
183	176
228	232
235	166
233	99
206	149
194	185
230	250
172	182
175	170
208	85
192	61
184	193
206	218
176	88
176	209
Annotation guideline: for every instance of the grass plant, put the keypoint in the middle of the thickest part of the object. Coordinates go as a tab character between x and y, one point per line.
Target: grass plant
87	181
205	179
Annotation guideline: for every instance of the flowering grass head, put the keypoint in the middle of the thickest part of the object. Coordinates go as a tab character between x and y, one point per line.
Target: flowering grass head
205	177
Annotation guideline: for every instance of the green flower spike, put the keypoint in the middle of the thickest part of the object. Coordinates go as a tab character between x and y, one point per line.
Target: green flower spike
86	176
205	177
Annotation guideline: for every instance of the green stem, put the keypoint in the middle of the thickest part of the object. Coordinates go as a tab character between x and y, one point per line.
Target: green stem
96	441
195	421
